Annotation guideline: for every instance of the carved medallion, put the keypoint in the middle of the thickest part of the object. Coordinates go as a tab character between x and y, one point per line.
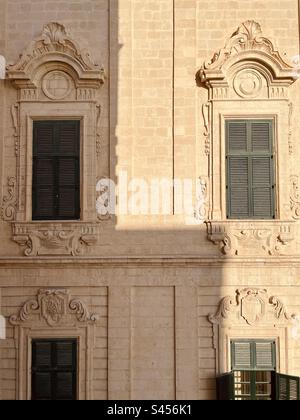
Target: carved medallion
52	305
253	303
247	83
57	85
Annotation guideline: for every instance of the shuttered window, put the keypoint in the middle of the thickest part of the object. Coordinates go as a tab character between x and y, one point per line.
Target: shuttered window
250	180
253	355
288	387
254	376
54	369
56	170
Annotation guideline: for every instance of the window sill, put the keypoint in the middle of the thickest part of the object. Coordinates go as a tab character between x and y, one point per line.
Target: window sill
251	237
54	237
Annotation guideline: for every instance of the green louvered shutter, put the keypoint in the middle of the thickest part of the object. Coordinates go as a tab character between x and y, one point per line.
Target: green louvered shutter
288	387
264	357
253	355
250	169
225	387
241	355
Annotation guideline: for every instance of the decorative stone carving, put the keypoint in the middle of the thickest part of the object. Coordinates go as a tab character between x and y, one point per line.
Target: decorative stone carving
15	119
247	43
295	197
247	83
98	141
201	209
54	46
255	238
57	85
253	304
290	143
9	202
54	239
52	305
206	121
250	306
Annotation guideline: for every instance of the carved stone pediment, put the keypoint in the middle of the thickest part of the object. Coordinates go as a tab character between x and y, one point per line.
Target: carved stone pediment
52	305
257	238
248	49
251	306
56	47
46	239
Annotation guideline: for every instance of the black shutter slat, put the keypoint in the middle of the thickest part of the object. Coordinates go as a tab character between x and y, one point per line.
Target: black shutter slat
42	385
238	186
64	385
44	138
225	387
68	138
64	353
42	354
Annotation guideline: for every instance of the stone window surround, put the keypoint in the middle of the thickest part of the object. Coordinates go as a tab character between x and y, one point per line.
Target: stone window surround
252	314
55	79
247	79
54	314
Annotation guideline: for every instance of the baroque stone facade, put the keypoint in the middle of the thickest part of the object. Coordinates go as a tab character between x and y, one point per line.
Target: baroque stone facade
153	299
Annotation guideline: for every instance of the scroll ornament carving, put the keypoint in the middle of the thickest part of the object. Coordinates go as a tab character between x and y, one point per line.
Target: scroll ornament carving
52	305
295	197
201	210
54	239
9	202
98	132
252	239
15	120
207	132
252	306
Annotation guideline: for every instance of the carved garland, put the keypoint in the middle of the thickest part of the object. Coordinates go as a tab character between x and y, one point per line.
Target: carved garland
251	305
52	305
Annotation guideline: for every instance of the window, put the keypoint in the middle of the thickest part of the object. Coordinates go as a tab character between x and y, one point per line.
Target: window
54	369
253	375
250	180
56	170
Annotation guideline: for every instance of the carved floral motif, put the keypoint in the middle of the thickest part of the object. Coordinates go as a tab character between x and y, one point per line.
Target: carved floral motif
55	239
52	305
252	306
